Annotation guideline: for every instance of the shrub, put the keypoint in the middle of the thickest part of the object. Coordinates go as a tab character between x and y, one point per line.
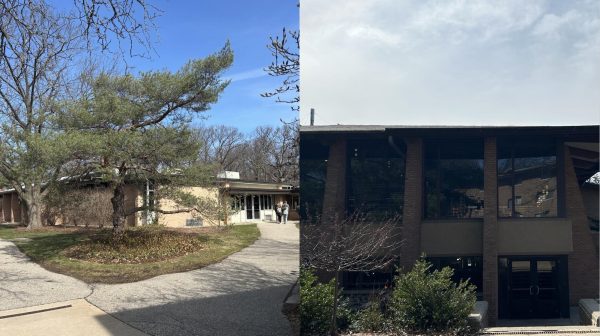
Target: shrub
370	319
429	301
316	304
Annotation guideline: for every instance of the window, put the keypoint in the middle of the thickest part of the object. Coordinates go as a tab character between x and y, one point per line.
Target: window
367	280
193	222
266	202
313	174
527	178
376	178
465	268
454	179
237	202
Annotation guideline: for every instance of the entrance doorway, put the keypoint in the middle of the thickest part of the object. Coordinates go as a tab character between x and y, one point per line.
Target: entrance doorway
533	287
252	207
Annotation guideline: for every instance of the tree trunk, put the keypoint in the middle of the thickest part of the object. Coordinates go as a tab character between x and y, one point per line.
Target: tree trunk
333	330
31	200
118	204
34	215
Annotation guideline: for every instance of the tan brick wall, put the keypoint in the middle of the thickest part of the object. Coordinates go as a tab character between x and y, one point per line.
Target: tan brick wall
583	262
413	203
490	230
179	219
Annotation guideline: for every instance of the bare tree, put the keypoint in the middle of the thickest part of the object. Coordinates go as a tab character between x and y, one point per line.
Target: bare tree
285	50
355	243
39	51
284	158
221	145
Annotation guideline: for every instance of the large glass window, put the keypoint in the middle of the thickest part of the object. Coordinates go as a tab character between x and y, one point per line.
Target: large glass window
376	177
465	268
527	178
313	175
454	179
367	280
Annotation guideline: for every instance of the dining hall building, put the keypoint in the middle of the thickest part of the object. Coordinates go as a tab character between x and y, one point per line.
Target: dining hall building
510	208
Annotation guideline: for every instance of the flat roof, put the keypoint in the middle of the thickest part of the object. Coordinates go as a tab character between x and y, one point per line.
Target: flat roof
589	131
382	128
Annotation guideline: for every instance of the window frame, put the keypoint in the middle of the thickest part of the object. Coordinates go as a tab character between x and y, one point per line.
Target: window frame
559	193
436	141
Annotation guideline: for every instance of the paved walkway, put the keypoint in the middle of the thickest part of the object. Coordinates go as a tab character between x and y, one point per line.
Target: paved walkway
24	283
542	330
73	318
241	295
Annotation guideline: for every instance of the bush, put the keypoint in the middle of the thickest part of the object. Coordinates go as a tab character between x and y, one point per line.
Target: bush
370	319
429	301
316	301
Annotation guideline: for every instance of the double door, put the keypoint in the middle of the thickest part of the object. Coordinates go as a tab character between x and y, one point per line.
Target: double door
252	207
535	287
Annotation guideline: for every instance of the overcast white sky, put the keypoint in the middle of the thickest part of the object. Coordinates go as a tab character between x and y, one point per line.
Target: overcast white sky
450	62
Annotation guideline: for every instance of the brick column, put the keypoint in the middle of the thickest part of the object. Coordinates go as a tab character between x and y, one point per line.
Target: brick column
334	198
413	203
583	261
490	230
7	207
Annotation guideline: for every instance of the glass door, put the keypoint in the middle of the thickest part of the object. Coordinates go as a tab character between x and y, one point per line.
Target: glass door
533	287
252	207
546	289
520	291
256	207
248	207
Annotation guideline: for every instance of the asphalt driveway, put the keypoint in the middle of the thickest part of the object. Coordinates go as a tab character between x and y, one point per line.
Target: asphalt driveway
242	295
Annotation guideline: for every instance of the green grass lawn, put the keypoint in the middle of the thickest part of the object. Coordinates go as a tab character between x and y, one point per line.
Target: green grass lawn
53	248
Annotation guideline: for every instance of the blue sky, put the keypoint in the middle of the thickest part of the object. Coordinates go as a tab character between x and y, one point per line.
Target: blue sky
190	29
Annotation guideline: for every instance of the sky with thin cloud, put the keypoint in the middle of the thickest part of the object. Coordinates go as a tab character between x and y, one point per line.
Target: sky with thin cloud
450	62
190	29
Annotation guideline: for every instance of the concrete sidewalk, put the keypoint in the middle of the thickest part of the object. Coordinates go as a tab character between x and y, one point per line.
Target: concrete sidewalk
542	330
241	295
75	317
24	283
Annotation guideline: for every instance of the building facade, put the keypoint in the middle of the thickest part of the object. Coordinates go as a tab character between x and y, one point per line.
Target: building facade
246	201
504	206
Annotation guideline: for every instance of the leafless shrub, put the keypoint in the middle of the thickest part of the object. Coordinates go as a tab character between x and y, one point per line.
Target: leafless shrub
358	242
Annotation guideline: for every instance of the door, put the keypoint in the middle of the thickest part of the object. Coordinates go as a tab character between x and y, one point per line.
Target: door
533	288
252	207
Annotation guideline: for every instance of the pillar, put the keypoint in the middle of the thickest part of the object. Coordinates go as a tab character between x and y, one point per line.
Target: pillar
413	203
490	230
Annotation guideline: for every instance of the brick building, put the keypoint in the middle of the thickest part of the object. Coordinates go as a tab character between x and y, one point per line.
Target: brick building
503	206
248	202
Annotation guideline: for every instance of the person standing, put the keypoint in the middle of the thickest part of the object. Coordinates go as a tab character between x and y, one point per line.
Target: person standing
285	209
278	211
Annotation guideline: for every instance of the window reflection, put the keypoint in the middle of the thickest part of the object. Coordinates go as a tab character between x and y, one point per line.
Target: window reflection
527	179
376	178
313	174
454	179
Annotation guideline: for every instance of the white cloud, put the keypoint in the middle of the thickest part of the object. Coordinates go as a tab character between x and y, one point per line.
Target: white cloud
248	74
450	62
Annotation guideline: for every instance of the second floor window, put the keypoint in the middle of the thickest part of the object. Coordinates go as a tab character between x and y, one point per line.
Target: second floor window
527	178
454	178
